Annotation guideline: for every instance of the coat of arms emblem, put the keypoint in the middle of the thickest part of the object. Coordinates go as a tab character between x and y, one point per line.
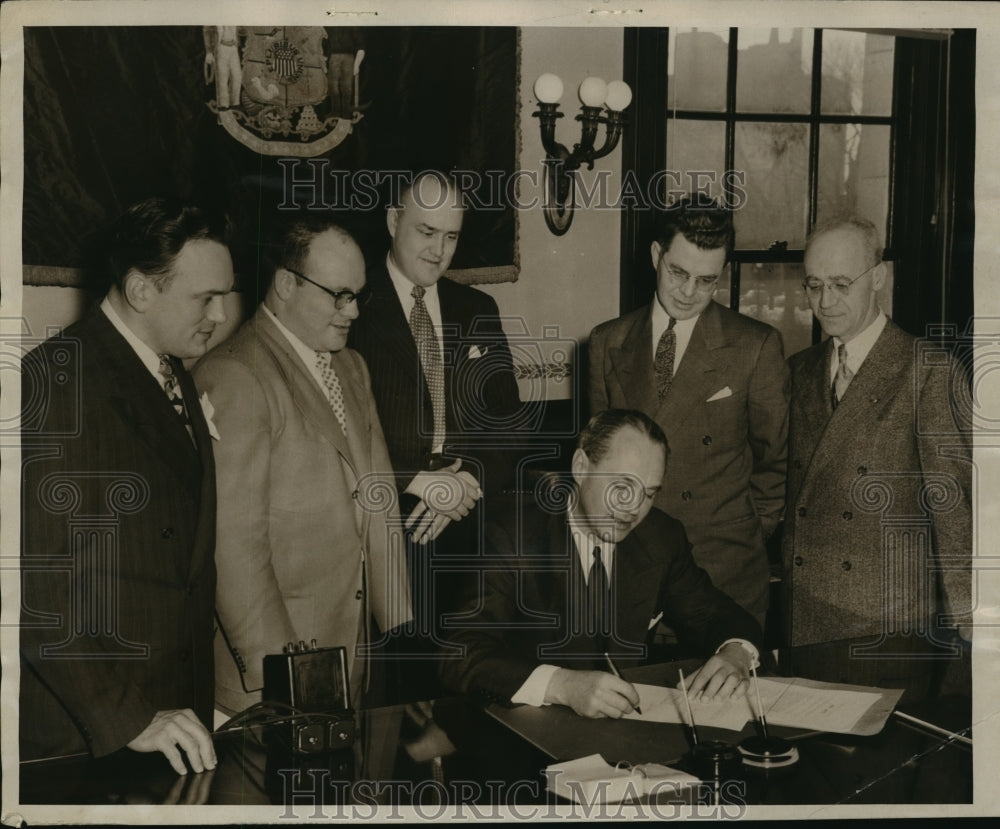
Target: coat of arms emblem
283	90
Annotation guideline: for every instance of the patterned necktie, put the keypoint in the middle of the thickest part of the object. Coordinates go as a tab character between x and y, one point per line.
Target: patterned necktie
666	349
843	377
430	360
334	393
597	598
173	390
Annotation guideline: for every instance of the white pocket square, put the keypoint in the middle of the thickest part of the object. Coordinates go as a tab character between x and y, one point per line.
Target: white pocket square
653	622
721	394
208	410
475	352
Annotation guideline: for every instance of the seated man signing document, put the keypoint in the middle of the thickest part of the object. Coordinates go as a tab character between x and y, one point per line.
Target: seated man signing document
570	581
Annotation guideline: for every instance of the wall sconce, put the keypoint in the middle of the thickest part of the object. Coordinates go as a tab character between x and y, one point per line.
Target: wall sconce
561	164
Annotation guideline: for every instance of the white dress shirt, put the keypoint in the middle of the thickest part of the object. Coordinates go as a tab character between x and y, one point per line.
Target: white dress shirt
682	331
533	691
858	348
306	354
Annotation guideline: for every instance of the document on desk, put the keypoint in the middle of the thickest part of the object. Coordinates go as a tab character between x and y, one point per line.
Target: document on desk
786	701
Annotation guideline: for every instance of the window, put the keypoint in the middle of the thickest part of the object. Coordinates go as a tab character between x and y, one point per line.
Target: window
806	116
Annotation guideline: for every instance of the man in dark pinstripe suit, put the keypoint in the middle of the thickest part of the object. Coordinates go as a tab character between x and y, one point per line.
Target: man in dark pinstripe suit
446	445
118	505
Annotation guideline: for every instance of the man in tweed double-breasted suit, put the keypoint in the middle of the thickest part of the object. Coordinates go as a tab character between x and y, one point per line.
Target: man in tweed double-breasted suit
878	524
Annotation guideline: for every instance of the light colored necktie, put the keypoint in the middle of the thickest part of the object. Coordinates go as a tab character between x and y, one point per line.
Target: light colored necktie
430	359
843	377
173	390
334	393
666	350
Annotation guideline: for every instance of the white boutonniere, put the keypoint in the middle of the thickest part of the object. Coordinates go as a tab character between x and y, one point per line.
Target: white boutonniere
475	352
208	410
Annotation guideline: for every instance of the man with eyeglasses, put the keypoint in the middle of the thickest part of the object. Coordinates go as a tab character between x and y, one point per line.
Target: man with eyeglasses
715	381
878	524
305	547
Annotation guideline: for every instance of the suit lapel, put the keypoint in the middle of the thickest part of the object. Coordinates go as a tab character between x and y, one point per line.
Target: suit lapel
876	380
633	364
144	406
386	317
310	399
698	375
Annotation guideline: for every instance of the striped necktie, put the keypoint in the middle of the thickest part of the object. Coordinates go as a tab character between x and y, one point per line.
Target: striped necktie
173	389
843	377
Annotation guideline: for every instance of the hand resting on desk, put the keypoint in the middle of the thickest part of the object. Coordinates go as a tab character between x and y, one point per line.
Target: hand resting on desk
725	675
178	728
592	693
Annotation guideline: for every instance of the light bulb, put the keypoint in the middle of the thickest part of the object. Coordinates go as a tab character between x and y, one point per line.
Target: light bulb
593	91
619	96
548	88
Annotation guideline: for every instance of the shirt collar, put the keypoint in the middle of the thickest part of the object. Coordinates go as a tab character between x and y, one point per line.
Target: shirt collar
585	540
307	354
150	359
860	346
403	286
661	319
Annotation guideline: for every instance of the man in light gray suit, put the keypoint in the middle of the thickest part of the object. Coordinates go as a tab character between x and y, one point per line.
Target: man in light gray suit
302	550
878	523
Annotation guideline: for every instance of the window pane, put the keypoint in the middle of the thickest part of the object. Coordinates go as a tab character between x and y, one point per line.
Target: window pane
774	70
857	73
774	160
696	69
772	293
854	172
695	147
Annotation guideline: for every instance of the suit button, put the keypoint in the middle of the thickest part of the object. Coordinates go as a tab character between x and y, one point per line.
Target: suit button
862	470
798	561
847	516
686	495
358	595
802	512
707	440
167	532
797	464
183	656
190	590
845	565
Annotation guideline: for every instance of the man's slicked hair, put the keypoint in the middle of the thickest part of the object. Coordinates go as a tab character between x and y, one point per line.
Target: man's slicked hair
149	236
596	436
704	222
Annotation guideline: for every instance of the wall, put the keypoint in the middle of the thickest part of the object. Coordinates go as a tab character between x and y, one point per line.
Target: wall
567	285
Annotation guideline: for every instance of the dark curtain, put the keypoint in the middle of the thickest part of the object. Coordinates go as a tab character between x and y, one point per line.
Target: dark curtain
112	115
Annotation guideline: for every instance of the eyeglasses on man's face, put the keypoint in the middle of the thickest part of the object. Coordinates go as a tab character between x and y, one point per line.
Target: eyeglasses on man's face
680	277
813	285
341	299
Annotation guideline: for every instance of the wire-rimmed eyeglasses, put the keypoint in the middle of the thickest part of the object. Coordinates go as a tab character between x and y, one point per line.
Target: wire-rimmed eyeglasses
813	285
